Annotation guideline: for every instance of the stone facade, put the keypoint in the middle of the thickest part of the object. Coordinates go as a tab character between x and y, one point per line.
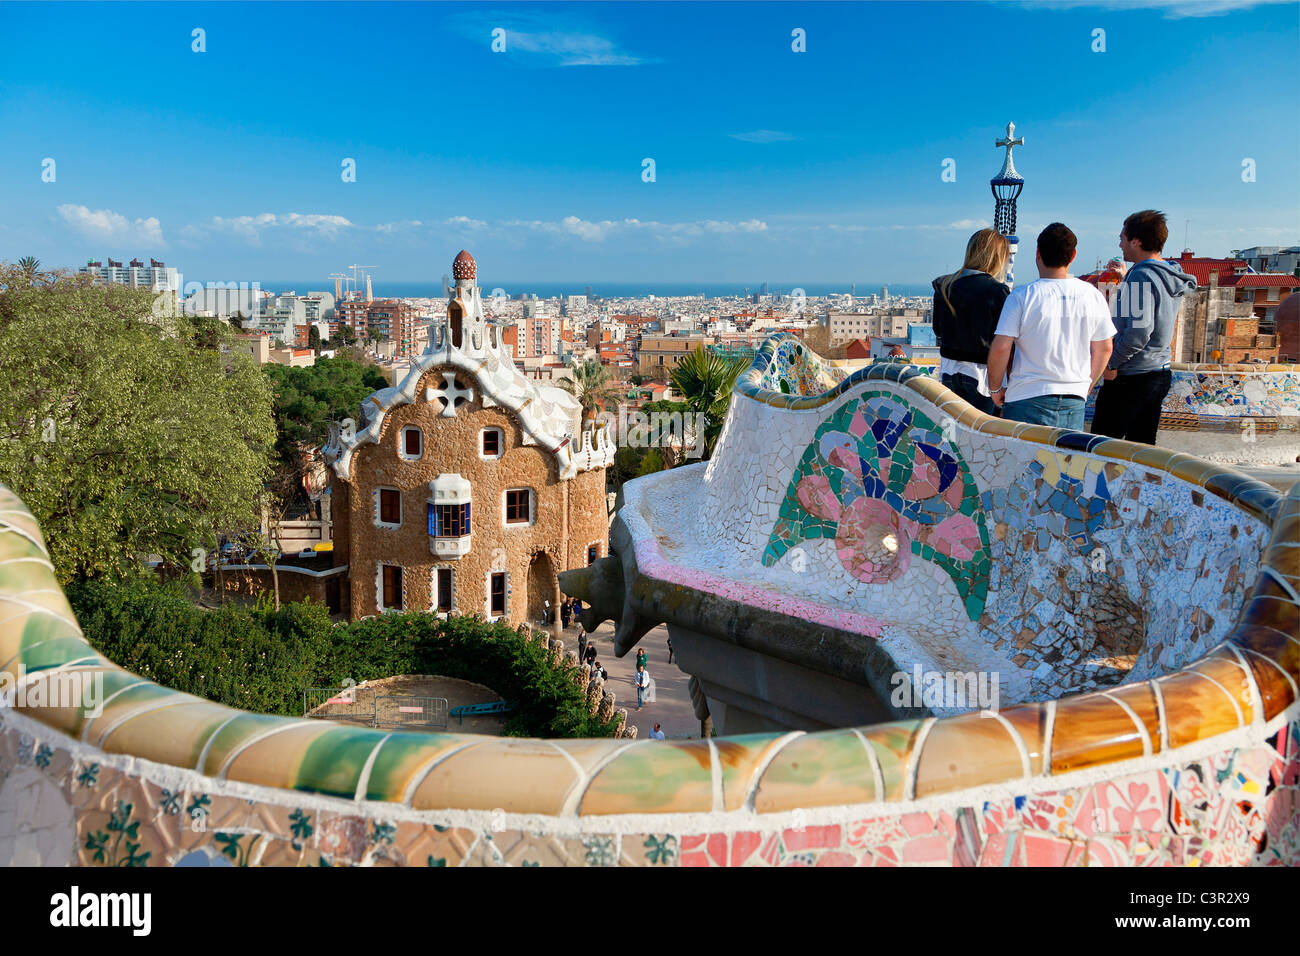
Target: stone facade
465	431
566	517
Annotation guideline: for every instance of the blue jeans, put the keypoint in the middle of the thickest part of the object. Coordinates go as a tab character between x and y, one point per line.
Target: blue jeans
968	388
640	691
1056	411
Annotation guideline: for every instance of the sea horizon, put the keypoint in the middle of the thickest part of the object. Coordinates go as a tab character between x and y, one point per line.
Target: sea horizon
609	290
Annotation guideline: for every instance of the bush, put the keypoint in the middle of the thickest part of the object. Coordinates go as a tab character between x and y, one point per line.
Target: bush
260	659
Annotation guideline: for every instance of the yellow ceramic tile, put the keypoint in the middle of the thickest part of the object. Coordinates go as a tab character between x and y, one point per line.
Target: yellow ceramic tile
828	768
174	735
892	743
273	761
1195	470
1141	699
741	757
1089	730
135	699
999	427
516	776
1030	722
649	777
1224	667
967	751
1195	708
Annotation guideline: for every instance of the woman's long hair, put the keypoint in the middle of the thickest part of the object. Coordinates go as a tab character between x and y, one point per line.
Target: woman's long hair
987	251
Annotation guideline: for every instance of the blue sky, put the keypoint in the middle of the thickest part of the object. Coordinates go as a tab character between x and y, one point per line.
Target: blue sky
809	167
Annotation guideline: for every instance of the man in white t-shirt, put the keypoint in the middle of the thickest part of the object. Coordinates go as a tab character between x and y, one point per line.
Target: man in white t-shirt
1061	332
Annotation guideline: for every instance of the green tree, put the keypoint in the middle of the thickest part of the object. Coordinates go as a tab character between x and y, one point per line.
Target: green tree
590	385
705	380
123	436
309	397
627	465
313	339
651	462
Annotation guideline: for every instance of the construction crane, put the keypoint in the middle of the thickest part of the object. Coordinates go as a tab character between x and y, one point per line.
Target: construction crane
339	278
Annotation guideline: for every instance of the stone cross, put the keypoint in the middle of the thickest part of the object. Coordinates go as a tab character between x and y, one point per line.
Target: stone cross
450	392
1009	141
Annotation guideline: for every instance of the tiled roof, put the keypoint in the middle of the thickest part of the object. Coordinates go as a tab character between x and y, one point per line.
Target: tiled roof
1258	281
1200	269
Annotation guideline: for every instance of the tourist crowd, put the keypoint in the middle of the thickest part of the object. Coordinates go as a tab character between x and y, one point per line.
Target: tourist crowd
1034	353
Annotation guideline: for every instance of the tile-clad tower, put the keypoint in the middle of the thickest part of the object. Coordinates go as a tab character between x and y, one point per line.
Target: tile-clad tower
1006	187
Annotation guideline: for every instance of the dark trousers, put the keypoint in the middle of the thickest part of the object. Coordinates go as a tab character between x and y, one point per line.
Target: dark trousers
968	388
1128	406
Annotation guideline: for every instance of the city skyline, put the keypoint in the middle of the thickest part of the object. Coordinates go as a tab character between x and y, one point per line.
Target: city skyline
824	164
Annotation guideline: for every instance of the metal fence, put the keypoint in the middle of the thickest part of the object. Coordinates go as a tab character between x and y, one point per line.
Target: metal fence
397	710
339	703
363	706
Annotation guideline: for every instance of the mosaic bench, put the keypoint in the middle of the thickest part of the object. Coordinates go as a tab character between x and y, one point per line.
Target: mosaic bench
923	528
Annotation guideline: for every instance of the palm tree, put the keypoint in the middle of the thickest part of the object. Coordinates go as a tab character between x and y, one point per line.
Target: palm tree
30	267
705	380
589	384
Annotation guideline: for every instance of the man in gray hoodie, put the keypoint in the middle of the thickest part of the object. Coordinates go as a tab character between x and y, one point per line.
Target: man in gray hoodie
1145	306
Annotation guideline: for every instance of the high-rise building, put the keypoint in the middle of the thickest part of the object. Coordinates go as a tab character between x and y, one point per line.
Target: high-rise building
157	276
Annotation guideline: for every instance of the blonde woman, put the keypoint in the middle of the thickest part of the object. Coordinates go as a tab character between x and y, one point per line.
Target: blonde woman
967	305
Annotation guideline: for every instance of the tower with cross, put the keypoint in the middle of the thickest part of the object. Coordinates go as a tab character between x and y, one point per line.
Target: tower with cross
1006	186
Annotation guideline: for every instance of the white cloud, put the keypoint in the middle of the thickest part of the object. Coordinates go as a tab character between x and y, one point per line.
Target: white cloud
401	225
252	228
571	49
762	136
547	39
598	231
899	227
1173	9
104	224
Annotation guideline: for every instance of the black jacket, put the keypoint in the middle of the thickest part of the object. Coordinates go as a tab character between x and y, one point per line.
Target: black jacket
965	331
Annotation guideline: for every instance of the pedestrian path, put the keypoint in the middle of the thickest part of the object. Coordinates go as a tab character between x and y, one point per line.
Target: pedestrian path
672	704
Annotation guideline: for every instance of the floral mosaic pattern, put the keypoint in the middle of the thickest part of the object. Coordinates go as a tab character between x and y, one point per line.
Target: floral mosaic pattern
882	481
797	370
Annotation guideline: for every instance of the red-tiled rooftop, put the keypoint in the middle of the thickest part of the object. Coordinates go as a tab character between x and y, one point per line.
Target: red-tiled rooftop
1200	268
1261	280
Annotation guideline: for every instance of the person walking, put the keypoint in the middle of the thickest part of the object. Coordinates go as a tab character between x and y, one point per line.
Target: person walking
657	733
641	657
566	613
642	684
590	656
967	305
670	649
582	644
1060	330
1146	304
